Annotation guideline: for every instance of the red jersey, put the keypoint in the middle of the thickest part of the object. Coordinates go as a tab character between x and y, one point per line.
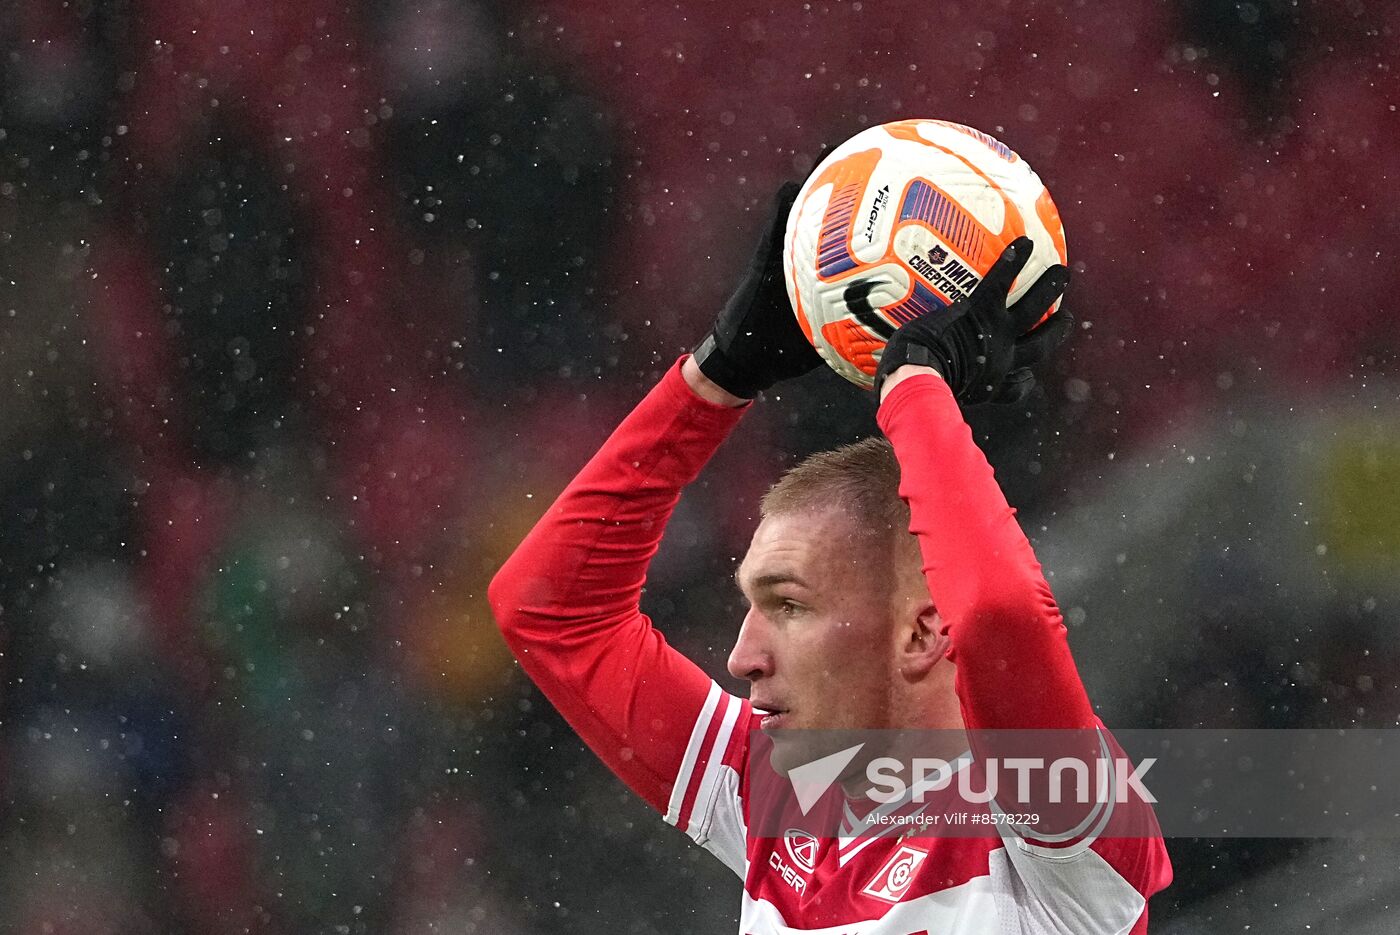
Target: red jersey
568	604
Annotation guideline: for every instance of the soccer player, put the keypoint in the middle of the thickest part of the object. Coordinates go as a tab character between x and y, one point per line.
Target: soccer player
889	587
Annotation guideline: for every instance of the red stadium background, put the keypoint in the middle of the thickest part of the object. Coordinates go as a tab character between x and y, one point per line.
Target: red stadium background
309	309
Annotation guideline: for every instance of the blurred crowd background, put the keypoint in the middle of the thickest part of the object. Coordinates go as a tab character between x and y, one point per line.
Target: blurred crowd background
308	309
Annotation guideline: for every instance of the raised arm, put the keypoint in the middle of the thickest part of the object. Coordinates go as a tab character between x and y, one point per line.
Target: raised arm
1090	865
568	599
1014	668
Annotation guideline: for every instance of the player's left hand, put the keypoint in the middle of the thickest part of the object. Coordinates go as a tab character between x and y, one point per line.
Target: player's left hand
983	348
756	341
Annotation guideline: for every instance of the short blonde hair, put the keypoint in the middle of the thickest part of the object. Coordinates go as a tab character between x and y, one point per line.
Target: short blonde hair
862	479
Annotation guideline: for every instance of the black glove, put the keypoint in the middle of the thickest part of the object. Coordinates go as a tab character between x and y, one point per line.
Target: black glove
979	345
756	340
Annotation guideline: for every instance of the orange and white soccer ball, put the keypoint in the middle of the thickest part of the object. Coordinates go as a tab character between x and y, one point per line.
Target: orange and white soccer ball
901	219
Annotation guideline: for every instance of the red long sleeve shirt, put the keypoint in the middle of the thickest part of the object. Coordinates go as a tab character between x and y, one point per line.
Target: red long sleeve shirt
568	602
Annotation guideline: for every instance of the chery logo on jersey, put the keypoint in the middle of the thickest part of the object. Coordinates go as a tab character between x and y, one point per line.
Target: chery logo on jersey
790	875
802	848
893	880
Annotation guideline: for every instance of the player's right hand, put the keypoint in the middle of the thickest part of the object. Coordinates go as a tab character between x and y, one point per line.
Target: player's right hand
756	341
982	347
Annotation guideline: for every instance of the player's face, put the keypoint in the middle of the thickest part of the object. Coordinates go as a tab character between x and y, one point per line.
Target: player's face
817	644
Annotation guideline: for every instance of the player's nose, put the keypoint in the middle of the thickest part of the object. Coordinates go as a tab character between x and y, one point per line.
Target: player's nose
751	658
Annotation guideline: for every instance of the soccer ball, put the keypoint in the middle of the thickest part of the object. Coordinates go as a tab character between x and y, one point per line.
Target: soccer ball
902	219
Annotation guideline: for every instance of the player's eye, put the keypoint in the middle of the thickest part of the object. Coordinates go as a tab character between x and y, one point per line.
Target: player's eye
789	608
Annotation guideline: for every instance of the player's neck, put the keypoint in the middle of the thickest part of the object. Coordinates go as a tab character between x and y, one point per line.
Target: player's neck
927	707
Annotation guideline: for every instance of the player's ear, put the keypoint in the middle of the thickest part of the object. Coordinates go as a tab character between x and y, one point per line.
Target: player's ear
922	644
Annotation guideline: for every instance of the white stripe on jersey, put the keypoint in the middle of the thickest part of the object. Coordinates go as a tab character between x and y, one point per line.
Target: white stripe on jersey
1019	895
1082	835
692	754
1079	894
716	817
967	909
714	759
